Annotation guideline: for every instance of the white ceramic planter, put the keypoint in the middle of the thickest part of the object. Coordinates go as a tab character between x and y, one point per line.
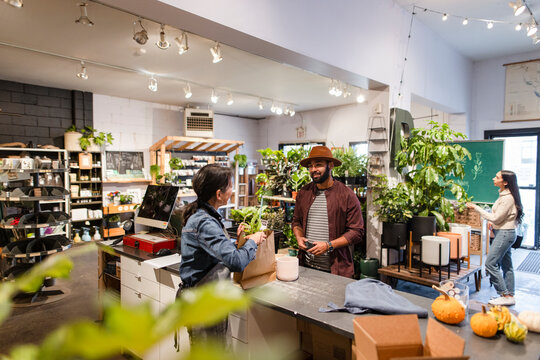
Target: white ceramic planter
71	141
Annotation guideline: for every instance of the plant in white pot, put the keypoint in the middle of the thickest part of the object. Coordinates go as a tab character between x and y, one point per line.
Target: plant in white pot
86	139
71	139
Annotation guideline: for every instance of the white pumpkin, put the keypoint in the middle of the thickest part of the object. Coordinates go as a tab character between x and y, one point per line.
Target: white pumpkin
531	319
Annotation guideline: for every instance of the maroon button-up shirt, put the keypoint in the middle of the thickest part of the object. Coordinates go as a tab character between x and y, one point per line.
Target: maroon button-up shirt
344	219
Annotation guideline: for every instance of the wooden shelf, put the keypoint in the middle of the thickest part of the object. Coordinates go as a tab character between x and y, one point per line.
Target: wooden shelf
87	203
184	143
85	197
86	182
119	209
127	181
180	195
89	219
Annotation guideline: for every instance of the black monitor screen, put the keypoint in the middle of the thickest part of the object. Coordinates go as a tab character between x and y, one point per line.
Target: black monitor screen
157	205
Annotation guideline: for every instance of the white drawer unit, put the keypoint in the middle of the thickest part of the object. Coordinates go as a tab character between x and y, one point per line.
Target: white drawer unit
169	279
140	284
140	268
239	328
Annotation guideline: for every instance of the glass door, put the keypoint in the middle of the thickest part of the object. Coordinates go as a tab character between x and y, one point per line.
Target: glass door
521	156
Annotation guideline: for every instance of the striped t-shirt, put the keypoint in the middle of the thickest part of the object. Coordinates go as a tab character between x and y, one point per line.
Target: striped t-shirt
317	230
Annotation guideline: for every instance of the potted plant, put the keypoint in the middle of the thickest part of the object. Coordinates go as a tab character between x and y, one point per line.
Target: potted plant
86	139
241	160
113	197
393	210
291	241
278	169
432	166
126	198
175	164
298	179
353	167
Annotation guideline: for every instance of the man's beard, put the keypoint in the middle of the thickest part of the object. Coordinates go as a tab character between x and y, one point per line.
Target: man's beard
323	176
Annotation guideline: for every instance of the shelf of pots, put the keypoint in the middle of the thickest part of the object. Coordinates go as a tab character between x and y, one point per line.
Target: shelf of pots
432	168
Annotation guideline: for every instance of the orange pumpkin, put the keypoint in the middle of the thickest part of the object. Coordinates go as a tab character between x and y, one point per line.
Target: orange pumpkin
447	309
483	324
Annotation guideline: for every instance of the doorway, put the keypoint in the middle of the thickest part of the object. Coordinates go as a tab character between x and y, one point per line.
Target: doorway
521	155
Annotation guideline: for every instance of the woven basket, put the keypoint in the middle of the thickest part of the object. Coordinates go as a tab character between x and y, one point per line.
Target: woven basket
468	217
476	242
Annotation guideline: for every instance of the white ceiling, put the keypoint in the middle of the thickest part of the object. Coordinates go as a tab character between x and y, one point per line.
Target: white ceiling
474	40
49	27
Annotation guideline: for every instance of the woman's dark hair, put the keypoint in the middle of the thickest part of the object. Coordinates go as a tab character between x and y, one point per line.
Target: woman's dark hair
206	182
512	185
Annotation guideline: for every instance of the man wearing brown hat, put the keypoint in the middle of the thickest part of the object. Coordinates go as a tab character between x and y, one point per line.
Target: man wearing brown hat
327	218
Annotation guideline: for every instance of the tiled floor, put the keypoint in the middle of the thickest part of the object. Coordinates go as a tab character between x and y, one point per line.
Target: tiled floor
527	287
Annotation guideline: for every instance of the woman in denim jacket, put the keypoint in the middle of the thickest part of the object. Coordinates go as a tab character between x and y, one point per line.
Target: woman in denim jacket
506	213
208	254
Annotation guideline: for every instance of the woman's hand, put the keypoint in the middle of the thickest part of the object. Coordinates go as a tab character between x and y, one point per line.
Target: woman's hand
319	248
258	237
470	205
241	228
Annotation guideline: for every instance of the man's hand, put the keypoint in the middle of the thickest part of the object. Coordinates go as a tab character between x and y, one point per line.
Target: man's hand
319	248
302	242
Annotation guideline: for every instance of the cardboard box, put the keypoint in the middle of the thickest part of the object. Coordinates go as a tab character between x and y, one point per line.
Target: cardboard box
323	344
388	337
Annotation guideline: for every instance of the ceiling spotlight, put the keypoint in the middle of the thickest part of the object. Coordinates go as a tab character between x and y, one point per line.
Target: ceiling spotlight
518	6
536	39
214	98
360	98
332	90
273	107
465	21
445	17
260	104
292	112
187	91
182	43
141	36
279	110
15	3
338	90
490	25
162	43
152	84
531	28
82	73
83	19
286	112
216	53
230	100
518	27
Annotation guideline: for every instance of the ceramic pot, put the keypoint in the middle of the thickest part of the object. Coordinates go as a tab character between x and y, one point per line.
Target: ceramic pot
71	141
369	267
422	225
394	234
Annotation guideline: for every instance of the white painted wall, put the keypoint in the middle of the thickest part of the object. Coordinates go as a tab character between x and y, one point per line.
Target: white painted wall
488	95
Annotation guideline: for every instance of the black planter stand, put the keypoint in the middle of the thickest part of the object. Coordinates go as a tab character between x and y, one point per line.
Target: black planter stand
394	236
420	226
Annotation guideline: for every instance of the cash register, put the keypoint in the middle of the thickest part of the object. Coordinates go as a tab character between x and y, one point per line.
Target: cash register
155	211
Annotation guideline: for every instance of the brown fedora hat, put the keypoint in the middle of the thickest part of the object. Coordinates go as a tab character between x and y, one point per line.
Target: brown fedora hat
320	152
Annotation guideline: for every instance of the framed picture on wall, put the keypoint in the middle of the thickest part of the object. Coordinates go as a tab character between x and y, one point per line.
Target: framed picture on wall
522	91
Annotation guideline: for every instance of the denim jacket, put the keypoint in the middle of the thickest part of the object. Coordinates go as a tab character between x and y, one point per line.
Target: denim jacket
204	244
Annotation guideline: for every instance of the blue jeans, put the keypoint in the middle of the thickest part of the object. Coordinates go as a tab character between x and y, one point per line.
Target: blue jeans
500	255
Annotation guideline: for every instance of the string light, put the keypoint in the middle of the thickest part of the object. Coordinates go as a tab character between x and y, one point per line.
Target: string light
465	21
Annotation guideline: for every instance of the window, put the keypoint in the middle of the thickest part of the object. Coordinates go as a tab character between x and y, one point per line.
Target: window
360	147
307	146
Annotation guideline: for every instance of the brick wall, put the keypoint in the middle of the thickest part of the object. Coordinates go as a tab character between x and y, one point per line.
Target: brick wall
45	113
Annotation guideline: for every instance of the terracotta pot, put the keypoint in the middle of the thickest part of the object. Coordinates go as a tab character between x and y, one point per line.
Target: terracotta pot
455	242
294	193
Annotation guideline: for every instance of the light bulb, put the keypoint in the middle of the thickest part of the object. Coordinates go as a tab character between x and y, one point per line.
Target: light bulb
536	40
273	108
465	21
519	8
292	112
260	104
490	25
518	27
182	43
279	110
445	17
82	73
163	44
532	29
15	3
230	100
214	98
360	98
216	53
187	91
83	19
152	84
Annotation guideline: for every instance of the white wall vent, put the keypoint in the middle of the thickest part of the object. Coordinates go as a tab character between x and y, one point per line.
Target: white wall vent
199	123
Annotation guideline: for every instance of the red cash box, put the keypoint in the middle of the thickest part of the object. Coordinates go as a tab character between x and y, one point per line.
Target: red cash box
150	243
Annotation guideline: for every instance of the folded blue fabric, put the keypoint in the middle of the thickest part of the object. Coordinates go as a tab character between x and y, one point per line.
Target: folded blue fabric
373	295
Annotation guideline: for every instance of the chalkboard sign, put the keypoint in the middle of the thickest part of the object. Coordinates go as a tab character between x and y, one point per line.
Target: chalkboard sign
486	160
124	165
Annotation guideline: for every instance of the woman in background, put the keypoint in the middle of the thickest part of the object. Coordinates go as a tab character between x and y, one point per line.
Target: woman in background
208	254
506	213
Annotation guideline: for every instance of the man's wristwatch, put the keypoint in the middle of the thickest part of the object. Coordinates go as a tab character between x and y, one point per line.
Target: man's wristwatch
330	247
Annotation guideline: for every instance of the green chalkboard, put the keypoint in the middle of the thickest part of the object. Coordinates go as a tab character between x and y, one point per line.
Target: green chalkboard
486	161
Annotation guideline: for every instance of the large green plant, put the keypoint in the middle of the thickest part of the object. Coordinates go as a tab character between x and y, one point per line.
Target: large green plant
431	166
241	159
351	164
299	178
393	201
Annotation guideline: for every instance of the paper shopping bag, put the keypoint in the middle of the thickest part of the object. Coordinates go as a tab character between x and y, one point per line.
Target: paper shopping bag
263	268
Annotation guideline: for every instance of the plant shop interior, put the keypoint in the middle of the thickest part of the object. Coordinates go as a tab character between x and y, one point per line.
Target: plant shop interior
109	108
